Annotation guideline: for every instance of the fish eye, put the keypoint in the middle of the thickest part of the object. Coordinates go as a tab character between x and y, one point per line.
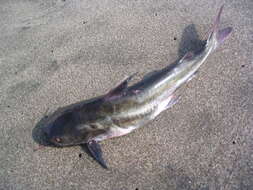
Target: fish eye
57	139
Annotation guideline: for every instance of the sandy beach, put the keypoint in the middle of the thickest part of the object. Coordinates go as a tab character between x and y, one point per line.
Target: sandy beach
58	52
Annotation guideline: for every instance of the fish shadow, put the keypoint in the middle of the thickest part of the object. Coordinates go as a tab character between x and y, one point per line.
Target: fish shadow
38	134
190	41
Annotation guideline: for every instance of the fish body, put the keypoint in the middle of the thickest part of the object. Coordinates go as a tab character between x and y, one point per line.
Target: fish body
126	108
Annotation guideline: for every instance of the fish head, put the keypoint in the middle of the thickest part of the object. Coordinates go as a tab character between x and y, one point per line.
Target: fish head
65	131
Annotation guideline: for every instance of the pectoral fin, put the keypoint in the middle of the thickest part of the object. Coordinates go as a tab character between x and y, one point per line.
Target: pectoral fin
96	153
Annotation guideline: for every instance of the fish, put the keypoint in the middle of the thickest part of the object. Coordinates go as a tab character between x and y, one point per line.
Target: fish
126	108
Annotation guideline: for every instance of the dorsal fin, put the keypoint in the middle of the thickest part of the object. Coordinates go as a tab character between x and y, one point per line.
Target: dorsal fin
120	89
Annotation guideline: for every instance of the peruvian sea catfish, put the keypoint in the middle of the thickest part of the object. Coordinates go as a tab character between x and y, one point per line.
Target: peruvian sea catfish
124	109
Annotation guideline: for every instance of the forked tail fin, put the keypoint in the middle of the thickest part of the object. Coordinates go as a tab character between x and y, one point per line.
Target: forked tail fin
216	36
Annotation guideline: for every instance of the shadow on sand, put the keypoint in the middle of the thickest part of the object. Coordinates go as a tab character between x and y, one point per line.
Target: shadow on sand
190	41
38	134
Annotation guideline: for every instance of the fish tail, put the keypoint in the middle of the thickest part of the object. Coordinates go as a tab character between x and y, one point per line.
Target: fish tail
217	37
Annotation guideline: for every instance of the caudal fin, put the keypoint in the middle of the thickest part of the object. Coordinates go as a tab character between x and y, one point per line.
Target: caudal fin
216	36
